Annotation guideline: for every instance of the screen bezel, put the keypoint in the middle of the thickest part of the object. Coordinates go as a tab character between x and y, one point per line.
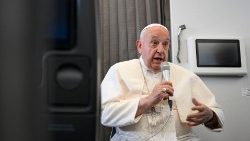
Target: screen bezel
234	41
216	71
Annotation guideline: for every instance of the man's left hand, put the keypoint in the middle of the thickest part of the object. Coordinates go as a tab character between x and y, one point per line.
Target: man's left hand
202	115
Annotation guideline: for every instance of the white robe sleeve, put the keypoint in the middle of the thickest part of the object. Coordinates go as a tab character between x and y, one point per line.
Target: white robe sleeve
205	96
117	109
188	85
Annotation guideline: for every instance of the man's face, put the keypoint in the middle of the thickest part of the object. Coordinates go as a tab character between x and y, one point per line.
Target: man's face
154	47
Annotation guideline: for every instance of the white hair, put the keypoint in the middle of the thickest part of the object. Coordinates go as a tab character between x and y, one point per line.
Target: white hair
149	26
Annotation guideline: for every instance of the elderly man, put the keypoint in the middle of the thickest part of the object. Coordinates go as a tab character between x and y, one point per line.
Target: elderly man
135	96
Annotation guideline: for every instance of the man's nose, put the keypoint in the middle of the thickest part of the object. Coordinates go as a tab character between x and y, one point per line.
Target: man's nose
160	48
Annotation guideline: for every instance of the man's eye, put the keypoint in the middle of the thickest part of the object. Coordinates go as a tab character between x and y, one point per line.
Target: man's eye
155	42
165	44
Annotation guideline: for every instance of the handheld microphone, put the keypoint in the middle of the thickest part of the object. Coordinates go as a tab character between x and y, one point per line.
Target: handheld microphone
165	69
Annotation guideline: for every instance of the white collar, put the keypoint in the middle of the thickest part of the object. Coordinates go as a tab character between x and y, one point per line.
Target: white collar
144	67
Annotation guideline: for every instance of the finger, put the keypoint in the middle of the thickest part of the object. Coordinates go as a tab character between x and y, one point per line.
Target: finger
167	83
192	123
198	108
165	96
196	119
170	91
196	102
191	116
195	115
167	89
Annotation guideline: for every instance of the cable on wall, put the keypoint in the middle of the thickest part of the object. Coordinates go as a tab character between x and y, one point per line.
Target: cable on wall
181	27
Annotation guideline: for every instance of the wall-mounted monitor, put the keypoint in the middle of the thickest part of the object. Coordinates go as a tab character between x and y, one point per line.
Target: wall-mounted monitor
216	56
61	24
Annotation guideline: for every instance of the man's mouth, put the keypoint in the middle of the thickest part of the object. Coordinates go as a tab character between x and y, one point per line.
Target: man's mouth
158	59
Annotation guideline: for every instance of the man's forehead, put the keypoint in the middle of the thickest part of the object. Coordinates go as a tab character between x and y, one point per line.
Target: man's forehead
166	38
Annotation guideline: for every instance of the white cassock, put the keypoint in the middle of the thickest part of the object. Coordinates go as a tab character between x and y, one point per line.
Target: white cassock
124	85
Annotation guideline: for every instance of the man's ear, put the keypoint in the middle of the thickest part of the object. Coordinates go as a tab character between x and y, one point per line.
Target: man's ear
138	46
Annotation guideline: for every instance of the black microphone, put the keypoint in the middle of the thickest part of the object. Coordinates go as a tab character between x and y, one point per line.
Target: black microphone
165	69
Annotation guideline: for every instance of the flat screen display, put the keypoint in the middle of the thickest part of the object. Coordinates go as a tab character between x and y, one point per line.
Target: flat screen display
218	53
61	24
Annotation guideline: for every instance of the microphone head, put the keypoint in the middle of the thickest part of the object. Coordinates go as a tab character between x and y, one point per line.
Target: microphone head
165	66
